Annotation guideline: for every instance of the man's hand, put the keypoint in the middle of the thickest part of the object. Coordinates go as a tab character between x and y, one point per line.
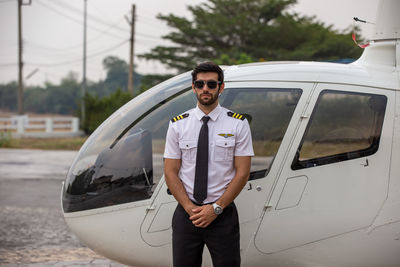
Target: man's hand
203	216
190	208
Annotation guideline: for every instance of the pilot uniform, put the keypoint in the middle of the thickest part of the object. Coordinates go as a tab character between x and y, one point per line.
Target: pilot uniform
229	136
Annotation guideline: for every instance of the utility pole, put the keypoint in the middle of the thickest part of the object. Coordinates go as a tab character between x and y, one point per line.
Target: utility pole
20	62
83	115
132	55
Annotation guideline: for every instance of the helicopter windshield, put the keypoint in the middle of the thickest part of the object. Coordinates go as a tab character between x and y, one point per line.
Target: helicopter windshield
122	161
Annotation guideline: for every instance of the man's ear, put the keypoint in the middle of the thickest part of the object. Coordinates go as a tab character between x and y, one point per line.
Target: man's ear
221	88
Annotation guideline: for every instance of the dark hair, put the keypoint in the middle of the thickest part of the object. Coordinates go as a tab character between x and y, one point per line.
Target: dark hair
208	67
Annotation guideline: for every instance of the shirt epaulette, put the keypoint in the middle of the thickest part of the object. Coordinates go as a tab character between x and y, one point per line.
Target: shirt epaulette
236	115
177	118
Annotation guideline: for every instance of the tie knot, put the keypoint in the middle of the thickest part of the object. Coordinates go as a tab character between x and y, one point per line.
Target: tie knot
205	119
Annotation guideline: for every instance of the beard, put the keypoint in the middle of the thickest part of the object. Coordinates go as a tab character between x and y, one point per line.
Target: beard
211	98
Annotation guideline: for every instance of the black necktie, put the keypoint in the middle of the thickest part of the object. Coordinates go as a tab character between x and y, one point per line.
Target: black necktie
201	174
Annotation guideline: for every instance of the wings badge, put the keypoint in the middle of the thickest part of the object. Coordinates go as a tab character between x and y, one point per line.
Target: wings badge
225	135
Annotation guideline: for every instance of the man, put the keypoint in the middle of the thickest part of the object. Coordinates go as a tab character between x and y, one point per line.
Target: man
207	163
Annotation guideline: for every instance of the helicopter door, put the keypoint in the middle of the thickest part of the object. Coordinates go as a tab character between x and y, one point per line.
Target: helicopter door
335	176
156	227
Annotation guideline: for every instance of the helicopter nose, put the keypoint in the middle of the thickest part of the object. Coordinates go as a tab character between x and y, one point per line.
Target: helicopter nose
119	174
110	183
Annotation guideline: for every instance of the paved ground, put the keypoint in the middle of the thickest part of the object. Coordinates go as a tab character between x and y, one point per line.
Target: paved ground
32	228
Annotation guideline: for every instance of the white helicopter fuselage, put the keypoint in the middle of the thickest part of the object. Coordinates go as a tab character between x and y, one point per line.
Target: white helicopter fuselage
329	195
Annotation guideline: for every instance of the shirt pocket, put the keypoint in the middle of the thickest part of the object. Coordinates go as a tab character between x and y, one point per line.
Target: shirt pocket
189	149
223	150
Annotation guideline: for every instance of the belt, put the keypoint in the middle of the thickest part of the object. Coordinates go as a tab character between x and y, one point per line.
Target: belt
202	204
209	203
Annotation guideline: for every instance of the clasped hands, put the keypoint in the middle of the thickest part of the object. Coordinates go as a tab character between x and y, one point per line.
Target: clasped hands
202	216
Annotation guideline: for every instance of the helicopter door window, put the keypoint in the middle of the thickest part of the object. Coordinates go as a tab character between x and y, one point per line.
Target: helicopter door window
268	111
343	126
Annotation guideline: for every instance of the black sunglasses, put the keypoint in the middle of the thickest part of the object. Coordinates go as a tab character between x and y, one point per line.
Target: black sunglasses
211	84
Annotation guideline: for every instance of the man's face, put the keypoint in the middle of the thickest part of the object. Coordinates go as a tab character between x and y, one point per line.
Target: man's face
205	95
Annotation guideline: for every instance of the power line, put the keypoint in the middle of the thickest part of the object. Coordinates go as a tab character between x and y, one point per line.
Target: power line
109	49
149	36
79	60
6	65
149	21
54	52
104	14
74	20
112	26
30	43
92	17
65	50
106	31
72	47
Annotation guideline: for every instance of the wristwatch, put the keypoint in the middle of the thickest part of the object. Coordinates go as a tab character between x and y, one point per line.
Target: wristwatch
217	208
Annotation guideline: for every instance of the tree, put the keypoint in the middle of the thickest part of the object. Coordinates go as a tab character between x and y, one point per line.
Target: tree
58	99
234	31
8	96
117	72
117	78
64	98
151	80
98	109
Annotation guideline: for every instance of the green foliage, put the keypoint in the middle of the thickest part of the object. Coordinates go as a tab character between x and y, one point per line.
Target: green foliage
149	81
236	31
64	143
58	99
8	96
5	139
240	58
98	109
64	98
117	72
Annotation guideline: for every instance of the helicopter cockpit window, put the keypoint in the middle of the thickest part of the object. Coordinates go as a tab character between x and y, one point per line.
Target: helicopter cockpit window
268	111
343	126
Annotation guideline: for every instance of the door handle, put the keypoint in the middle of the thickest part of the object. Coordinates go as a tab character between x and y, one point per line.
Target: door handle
365	164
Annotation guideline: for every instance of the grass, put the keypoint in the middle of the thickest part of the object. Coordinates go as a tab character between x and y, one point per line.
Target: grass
5	139
68	143
261	148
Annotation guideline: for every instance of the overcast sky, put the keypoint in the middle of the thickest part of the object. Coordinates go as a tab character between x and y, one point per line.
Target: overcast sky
53	32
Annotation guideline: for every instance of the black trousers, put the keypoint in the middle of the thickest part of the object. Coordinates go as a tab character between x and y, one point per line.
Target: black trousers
222	238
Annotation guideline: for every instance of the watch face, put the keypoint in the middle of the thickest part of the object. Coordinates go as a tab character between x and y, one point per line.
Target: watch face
217	210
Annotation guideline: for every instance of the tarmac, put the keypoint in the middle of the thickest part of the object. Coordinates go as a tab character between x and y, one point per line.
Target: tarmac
33	232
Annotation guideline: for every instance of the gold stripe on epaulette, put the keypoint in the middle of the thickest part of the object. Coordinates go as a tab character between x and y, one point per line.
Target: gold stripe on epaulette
180	117
236	115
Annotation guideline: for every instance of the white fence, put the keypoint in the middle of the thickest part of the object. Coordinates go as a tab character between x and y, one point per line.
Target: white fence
37	126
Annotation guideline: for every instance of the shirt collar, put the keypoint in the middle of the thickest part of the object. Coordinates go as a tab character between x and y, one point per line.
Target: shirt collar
213	114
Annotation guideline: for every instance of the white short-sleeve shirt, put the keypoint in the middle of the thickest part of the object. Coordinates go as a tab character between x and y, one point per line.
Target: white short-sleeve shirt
228	137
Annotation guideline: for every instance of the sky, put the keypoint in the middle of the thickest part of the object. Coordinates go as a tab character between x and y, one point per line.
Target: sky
53	33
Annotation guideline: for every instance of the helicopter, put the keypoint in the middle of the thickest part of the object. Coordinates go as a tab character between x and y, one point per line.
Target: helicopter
324	185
